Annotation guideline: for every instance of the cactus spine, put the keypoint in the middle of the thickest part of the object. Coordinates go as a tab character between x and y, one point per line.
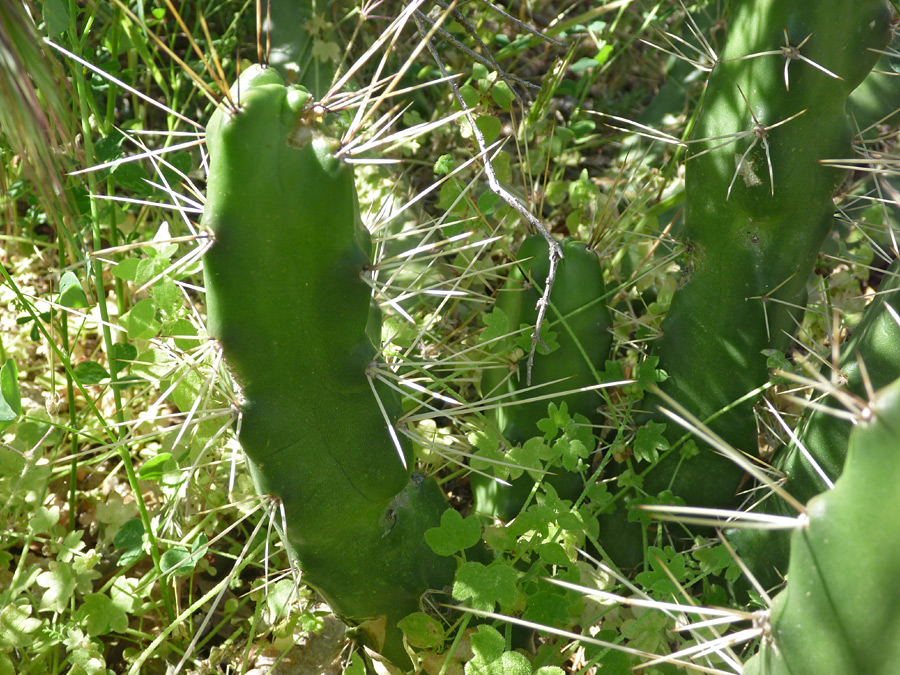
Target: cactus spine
287	300
840	611
875	343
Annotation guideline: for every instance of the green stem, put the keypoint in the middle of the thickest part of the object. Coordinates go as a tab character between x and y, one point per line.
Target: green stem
757	211
86	100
